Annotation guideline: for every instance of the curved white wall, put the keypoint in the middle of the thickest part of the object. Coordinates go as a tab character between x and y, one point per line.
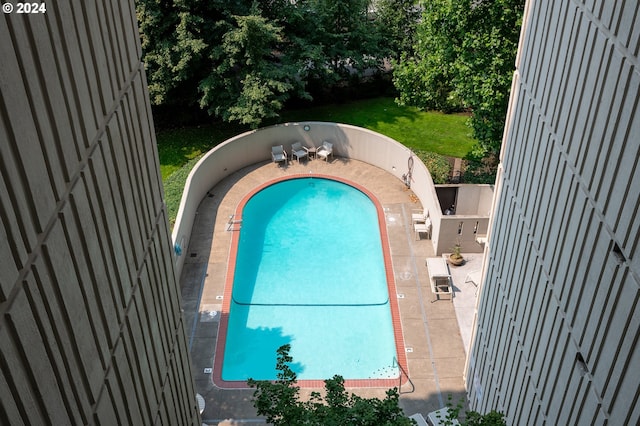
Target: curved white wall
255	146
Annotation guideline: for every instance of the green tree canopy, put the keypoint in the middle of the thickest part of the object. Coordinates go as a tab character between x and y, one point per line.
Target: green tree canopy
347	38
241	60
250	83
464	58
427	79
397	21
485	66
280	402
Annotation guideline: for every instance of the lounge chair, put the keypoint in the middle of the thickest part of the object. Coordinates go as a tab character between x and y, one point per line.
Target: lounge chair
278	154
325	150
419	216
299	151
422	228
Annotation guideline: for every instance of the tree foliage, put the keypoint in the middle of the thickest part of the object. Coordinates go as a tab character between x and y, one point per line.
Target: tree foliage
241	60
438	166
280	402
347	39
470	417
397	21
249	83
427	79
157	21
464	58
486	64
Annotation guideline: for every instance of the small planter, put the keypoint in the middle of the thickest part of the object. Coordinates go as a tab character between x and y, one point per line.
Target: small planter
455	260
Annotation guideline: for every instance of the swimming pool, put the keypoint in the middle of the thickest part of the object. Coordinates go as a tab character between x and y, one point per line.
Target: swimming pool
310	267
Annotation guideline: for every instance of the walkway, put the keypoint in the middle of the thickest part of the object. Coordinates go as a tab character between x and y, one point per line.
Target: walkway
434	343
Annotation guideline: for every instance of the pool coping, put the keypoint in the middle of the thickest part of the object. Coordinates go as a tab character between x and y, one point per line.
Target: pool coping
216	377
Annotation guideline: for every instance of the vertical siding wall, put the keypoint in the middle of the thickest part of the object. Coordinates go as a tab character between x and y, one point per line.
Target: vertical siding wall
90	324
559	322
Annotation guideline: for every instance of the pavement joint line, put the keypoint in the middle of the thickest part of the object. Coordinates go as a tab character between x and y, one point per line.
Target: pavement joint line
194	326
425	322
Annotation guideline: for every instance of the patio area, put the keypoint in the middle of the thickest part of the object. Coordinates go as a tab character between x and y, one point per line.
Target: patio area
436	334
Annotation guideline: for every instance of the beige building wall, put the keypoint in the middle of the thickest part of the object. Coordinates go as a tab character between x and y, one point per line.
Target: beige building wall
558	320
90	329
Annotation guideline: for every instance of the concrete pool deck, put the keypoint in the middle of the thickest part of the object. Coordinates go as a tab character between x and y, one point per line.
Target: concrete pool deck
436	335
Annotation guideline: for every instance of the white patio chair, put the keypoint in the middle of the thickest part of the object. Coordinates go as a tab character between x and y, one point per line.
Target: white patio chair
299	151
422	228
325	150
419	216
278	154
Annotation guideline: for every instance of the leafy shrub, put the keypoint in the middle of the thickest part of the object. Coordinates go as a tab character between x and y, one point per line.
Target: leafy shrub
174	186
280	402
437	164
481	167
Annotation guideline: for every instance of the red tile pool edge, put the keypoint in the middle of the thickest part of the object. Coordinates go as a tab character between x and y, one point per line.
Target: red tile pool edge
391	286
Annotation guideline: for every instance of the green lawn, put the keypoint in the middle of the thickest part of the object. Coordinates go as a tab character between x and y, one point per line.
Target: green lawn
444	134
177	147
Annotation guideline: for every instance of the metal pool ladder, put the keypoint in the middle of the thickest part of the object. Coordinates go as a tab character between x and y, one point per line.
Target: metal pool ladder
232	222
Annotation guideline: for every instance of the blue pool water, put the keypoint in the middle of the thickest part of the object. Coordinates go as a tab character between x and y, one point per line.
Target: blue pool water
310	272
